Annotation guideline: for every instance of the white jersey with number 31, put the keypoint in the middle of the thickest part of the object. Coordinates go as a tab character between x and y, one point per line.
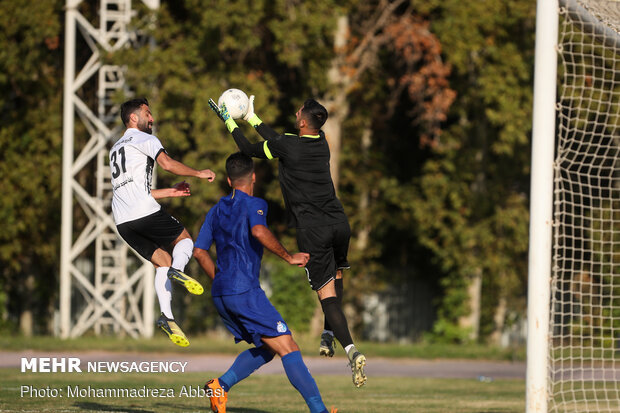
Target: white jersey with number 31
132	159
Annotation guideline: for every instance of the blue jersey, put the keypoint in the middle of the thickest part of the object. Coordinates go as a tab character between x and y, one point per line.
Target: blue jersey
229	224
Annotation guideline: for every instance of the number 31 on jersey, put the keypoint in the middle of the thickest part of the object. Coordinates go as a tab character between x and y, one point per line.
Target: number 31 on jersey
113	162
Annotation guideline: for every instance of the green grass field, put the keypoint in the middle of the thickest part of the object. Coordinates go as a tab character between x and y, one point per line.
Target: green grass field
261	394
224	344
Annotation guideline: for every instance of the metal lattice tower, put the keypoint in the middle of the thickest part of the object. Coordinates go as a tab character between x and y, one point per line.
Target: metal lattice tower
103	283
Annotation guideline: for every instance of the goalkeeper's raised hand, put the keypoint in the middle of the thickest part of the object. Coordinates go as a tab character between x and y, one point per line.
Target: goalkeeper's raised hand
223	114
250	116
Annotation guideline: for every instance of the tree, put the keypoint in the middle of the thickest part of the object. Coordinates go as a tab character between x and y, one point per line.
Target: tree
472	194
30	136
394	84
429	120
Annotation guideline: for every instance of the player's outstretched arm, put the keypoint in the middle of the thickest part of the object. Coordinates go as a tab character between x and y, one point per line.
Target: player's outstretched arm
205	261
179	189
181	169
269	241
252	118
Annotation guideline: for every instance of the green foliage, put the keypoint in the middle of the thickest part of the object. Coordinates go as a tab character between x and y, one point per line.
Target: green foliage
448	208
471	198
455	207
290	292
446	332
30	160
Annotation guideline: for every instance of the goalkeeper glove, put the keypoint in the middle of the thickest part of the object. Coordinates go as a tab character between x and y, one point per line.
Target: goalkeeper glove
250	116
223	114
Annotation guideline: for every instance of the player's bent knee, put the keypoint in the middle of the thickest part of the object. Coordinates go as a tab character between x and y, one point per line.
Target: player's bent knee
290	346
161	258
281	345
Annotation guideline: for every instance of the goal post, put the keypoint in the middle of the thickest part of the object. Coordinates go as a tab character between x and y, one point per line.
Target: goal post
541	202
574	259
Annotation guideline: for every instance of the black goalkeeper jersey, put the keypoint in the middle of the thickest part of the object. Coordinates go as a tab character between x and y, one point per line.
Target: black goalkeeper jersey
305	177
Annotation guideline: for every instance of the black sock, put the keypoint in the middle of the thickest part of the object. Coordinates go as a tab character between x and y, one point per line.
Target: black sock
339	285
334	314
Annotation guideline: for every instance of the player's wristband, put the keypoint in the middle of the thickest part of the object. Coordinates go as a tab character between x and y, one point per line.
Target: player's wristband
254	120
231	124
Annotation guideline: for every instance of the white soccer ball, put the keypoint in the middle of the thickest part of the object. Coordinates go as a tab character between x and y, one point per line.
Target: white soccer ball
236	102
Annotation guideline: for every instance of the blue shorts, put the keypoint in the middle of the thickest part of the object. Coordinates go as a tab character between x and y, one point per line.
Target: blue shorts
250	316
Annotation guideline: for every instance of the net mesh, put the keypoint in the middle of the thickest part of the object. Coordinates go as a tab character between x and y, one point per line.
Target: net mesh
584	373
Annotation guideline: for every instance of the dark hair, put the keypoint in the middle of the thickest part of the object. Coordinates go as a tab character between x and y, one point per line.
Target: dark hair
314	113
239	165
131	106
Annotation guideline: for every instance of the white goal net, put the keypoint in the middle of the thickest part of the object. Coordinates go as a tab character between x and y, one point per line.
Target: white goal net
584	333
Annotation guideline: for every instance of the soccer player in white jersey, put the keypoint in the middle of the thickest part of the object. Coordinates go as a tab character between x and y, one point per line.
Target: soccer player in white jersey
140	220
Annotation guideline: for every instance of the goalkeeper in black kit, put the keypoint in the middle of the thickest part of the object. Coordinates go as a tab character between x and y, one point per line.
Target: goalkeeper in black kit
322	227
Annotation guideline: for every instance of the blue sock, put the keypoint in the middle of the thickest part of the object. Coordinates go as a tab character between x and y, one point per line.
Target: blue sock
299	376
245	364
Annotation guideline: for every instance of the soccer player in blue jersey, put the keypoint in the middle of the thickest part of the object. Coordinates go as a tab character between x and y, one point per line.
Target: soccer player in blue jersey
322	227
237	225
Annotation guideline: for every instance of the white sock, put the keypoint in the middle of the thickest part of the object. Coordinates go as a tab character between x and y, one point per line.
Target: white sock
181	253
163	288
331	333
348	348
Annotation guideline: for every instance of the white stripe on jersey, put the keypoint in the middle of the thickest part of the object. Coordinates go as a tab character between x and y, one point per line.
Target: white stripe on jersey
132	159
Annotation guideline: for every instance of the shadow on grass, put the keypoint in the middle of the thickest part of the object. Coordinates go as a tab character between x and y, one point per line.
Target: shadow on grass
244	410
107	408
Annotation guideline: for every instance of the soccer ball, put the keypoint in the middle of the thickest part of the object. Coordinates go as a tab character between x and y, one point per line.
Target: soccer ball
236	102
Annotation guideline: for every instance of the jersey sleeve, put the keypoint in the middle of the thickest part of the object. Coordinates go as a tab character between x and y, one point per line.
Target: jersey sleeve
274	145
152	147
205	236
266	131
254	150
257	212
277	147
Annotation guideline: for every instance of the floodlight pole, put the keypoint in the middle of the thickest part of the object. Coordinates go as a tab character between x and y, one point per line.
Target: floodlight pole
68	120
541	205
108	294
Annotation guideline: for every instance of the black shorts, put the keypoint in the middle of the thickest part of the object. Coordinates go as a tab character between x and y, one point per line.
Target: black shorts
146	234
328	247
